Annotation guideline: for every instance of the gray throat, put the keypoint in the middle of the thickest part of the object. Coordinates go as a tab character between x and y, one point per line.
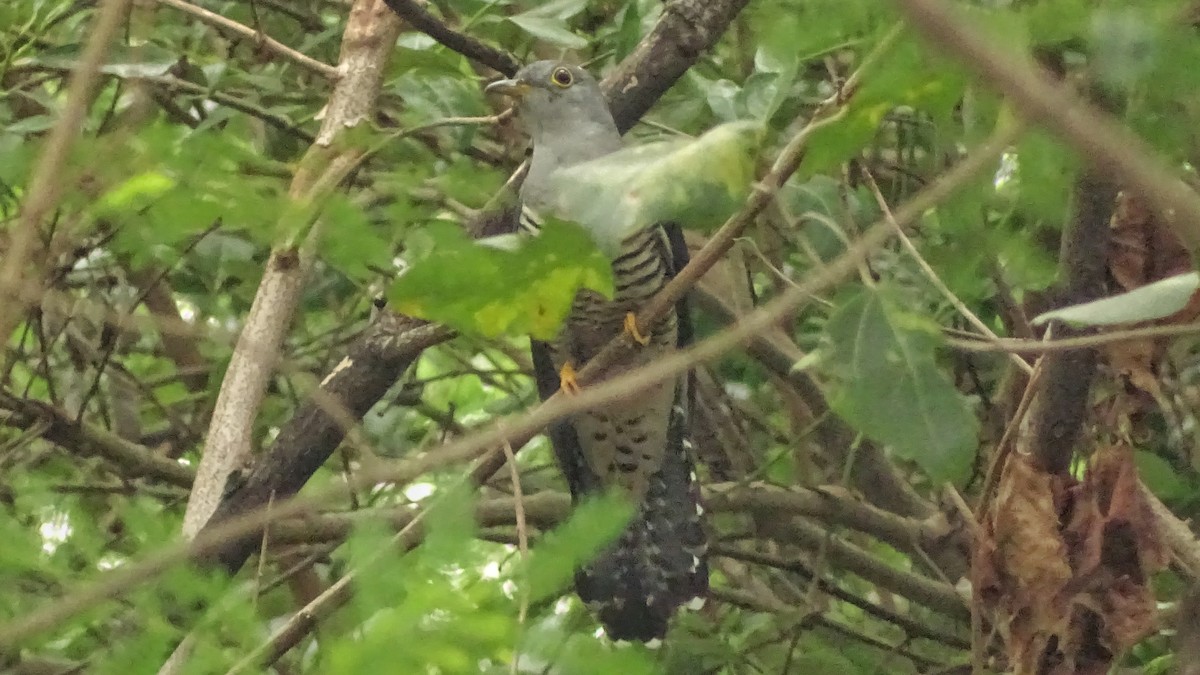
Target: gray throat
555	149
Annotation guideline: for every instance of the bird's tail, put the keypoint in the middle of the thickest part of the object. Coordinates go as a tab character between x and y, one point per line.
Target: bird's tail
659	562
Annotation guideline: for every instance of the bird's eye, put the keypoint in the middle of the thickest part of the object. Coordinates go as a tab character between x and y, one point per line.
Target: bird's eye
562	77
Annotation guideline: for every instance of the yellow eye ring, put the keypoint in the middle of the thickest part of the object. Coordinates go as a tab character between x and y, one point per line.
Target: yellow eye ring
562	77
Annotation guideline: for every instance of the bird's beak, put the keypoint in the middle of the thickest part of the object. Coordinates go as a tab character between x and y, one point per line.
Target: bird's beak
514	88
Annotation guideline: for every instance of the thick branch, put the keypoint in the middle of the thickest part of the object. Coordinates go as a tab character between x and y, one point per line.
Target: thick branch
370	33
686	30
370	368
1057	417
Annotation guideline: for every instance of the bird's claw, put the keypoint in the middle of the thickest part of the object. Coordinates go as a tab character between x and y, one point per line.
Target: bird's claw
566	379
631	327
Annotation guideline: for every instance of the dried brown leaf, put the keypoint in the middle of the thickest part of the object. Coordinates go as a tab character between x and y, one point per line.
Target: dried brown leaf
1071	592
1141	251
1025	528
1030	563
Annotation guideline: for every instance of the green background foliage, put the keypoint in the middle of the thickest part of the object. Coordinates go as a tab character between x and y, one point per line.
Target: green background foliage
178	187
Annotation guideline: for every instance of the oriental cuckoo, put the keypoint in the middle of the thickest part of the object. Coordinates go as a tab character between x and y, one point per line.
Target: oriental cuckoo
638	445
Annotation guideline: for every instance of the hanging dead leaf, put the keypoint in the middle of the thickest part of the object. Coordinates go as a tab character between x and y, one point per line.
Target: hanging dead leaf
1066	566
1111	491
1114	548
1142	250
1030	563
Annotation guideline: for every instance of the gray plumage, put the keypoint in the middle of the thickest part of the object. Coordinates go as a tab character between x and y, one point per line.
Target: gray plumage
638	445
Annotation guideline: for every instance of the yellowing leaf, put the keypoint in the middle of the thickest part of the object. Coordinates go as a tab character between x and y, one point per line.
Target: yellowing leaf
137	192
504	286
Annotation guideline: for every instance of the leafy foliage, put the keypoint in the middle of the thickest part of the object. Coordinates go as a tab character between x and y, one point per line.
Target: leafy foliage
528	283
183	181
895	392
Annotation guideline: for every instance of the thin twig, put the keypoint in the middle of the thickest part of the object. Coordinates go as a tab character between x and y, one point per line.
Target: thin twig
1095	135
47	182
932	274
1020	346
977	538
307	617
1004	447
261	39
522	544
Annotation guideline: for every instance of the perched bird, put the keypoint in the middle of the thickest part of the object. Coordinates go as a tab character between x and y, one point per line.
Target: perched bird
638	445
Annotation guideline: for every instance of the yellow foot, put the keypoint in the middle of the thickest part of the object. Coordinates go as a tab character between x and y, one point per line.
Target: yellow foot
566	380
631	327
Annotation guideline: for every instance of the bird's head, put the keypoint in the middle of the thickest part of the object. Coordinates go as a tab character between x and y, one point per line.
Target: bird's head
556	100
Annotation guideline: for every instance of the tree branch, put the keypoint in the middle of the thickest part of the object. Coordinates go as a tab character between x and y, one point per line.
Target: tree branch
1062	390
261	39
420	19
369	369
79	437
686	30
366	45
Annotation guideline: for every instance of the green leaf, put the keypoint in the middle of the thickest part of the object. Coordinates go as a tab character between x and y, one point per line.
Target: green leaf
135	193
594	523
549	29
353	244
892	389
512	285
1162	478
1148	303
904	76
697	183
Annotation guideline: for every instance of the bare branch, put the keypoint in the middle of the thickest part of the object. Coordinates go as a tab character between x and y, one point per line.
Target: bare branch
419	18
686	30
1062	395
78	437
230	26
